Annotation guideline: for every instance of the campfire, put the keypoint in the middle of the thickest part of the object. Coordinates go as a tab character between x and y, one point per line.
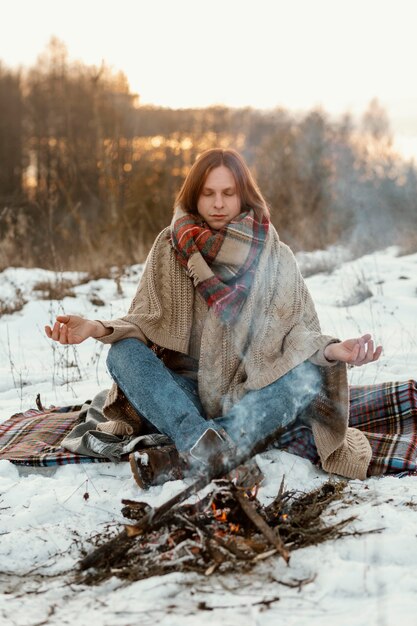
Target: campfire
226	530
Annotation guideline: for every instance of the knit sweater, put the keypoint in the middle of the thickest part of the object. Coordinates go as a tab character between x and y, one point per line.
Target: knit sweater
277	329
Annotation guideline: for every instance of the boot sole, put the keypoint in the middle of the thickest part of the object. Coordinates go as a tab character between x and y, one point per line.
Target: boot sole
135	471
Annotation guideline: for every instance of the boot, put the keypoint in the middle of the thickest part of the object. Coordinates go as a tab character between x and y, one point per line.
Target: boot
214	448
154	466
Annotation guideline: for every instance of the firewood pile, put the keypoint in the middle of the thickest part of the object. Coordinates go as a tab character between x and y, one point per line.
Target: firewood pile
227	529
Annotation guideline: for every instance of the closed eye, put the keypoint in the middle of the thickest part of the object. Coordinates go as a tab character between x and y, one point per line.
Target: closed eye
226	192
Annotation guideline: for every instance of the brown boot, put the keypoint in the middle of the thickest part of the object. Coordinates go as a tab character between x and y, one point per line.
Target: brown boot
154	466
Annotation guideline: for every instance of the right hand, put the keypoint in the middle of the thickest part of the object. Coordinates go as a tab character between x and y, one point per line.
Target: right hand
72	329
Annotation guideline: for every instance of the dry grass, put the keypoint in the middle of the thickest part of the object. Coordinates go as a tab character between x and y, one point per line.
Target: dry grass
8	307
409	243
55	289
359	293
96	300
320	261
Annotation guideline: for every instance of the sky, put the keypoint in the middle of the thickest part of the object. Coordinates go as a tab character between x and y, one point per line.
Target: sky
299	54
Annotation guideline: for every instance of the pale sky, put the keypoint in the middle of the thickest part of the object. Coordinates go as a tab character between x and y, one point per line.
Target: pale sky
338	54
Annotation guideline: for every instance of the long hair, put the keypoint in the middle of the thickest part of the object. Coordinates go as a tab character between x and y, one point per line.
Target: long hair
246	187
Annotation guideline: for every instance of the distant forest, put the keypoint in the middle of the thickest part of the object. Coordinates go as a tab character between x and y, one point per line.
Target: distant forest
88	176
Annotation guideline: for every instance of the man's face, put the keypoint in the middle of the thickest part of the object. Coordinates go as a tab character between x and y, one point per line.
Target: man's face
219	202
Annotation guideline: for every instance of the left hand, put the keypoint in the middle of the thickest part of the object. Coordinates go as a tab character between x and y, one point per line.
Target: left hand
358	351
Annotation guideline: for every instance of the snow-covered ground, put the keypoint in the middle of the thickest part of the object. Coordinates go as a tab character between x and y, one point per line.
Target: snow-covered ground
368	579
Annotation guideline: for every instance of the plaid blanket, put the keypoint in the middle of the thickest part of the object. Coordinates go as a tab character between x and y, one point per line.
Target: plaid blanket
33	438
387	414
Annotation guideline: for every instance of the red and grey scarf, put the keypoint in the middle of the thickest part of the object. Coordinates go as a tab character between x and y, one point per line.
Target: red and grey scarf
222	263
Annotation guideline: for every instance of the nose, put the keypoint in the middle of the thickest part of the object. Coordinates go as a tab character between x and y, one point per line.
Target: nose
218	202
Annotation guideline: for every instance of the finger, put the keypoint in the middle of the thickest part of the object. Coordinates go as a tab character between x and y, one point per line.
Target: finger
48	331
377	353
354	355
63	337
372	355
366	337
64	319
362	352
369	353
56	331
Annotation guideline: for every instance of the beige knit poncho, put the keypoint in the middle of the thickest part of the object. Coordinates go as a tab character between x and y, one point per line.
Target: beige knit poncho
277	330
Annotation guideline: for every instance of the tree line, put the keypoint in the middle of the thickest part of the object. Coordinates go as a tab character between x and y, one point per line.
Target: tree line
88	176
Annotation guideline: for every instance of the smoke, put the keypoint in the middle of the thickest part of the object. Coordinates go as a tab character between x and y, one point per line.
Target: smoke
374	195
262	412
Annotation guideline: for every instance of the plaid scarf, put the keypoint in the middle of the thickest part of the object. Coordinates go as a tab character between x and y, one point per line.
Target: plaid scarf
222	263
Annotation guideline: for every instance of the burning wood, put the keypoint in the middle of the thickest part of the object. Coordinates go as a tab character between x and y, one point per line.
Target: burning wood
228	529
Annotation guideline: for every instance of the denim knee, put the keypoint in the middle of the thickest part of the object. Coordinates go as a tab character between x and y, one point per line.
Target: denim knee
117	353
306	382
297	388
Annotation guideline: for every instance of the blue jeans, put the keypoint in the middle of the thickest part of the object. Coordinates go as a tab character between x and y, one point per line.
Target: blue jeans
170	402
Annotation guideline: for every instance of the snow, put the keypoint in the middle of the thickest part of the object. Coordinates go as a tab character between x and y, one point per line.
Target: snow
45	517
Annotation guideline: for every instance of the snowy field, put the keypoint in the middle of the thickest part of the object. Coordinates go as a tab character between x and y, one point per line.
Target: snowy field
364	580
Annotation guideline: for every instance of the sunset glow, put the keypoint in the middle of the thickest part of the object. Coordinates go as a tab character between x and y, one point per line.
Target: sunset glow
298	55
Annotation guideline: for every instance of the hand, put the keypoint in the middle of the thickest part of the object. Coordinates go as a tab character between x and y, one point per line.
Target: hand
72	329
358	351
